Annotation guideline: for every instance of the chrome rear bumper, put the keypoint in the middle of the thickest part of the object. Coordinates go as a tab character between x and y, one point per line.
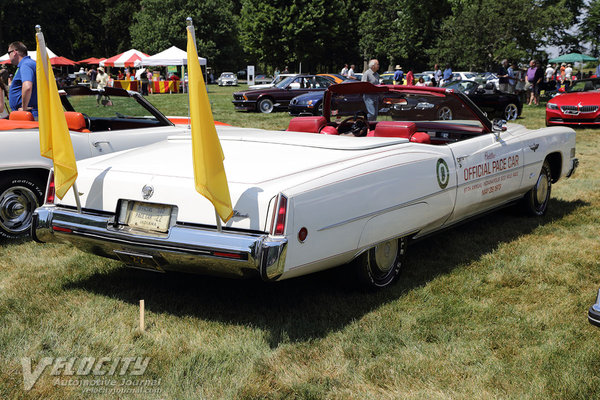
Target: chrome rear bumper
185	248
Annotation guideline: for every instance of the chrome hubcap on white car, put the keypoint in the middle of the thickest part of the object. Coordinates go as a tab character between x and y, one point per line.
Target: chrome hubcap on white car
16	208
385	255
541	189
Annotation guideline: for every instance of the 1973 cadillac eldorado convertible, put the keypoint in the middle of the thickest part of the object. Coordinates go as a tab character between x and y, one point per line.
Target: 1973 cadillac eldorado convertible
331	190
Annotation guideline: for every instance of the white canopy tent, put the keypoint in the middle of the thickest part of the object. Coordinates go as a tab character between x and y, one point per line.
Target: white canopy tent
171	56
32	54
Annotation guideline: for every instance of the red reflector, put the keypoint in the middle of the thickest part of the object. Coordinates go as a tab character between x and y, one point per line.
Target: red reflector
59	229
281	211
50	191
302	234
228	255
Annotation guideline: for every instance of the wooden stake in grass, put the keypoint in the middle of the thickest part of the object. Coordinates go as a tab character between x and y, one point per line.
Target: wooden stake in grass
142	324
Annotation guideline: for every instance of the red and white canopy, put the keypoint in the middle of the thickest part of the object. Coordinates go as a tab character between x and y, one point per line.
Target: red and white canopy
131	58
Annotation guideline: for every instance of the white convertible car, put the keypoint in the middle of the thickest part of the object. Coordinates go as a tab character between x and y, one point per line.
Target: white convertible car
329	191
118	120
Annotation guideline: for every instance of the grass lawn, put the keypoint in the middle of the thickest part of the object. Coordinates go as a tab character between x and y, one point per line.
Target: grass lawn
495	308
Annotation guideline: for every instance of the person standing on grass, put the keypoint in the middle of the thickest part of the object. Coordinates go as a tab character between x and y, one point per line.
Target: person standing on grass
22	95
371	100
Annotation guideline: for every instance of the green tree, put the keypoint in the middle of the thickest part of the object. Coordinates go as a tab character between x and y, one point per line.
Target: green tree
479	34
590	27
160	24
320	34
400	31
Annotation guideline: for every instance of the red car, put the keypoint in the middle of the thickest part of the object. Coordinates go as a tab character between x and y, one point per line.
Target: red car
580	106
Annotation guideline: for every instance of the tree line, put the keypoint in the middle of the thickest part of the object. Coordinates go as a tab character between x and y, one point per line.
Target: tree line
320	34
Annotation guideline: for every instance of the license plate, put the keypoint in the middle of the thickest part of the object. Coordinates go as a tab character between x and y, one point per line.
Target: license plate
143	261
149	217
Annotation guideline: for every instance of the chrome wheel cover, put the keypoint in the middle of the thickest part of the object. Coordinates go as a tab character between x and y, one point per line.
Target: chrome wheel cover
17	204
445	113
386	254
511	112
541	189
266	106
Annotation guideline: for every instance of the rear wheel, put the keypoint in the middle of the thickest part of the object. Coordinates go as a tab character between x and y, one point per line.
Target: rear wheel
265	106
380	266
511	112
444	113
19	197
535	202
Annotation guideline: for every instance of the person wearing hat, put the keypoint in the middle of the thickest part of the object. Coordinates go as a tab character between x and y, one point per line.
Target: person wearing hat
549	73
102	80
398	75
568	76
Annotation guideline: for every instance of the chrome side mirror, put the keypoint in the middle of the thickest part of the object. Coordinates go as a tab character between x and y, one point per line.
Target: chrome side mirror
498	125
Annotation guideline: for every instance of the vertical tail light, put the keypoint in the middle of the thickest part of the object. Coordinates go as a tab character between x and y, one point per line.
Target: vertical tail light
279	214
50	190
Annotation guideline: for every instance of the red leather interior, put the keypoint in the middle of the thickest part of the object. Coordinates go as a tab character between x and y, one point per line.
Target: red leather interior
312	124
420	137
394	129
329	130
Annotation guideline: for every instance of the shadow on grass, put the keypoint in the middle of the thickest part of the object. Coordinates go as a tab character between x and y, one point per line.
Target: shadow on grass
312	306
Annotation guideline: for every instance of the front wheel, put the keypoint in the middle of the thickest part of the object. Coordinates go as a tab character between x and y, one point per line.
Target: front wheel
19	197
511	112
535	202
380	266
265	106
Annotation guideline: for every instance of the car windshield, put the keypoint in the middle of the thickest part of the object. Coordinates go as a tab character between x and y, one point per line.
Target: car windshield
461	86
112	103
407	105
284	83
584	86
226	75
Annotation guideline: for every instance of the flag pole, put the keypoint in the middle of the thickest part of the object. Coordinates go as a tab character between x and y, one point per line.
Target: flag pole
43	56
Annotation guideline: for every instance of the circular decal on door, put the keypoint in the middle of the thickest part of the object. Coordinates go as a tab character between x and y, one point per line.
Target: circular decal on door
443	173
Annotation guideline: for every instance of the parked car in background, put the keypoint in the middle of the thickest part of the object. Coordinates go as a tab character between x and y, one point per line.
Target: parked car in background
274	82
262	79
97	127
386	78
331	191
335	78
278	97
227	79
426	77
307	104
495	103
577	107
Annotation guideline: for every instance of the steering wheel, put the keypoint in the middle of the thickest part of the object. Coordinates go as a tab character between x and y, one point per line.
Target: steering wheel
359	126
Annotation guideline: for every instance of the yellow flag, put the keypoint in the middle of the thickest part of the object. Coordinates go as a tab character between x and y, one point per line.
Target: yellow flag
209	173
55	140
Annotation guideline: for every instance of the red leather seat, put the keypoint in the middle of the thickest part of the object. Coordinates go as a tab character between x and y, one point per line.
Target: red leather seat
312	124
21	116
329	130
420	137
394	129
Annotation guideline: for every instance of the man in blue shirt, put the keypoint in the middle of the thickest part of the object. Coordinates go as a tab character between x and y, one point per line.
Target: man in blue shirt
22	94
447	74
398	75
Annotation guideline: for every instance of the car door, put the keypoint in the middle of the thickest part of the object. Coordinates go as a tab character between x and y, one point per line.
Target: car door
489	170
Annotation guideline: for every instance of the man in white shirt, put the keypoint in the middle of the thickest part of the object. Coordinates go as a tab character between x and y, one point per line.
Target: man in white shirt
344	71
568	76
351	74
549	73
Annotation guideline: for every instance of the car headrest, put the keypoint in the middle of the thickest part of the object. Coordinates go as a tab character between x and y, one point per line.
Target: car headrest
21	116
307	124
394	129
329	130
75	121
420	137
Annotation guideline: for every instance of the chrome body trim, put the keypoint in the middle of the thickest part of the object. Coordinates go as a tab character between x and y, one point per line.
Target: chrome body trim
186	248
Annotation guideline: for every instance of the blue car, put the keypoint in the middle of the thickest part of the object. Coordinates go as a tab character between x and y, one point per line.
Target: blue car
307	104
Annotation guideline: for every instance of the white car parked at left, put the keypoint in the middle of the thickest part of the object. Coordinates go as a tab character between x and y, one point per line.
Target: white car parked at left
99	123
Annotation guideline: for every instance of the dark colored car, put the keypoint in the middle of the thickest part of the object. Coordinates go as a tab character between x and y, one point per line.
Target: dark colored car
279	96
307	104
495	103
